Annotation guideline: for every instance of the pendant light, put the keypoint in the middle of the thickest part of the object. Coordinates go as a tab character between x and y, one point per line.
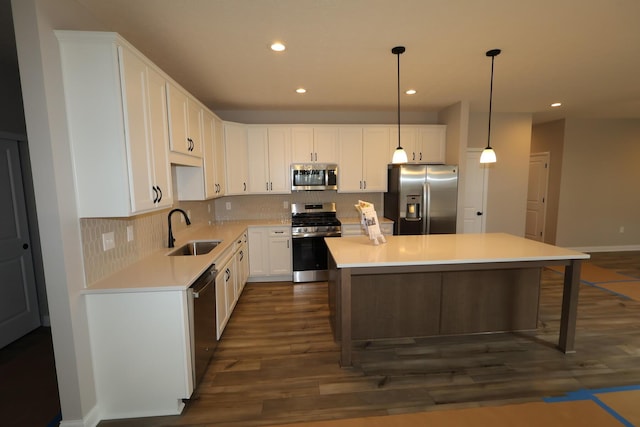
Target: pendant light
488	155
399	156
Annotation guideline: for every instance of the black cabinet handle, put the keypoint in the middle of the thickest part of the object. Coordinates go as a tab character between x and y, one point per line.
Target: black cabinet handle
245	186
155	194
159	191
421	156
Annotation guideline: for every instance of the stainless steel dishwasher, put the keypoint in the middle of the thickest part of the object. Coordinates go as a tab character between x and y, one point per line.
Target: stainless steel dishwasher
202	301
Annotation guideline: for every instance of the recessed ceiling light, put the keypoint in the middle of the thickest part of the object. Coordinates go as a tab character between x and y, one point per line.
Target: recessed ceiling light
278	47
556	104
301	90
411	92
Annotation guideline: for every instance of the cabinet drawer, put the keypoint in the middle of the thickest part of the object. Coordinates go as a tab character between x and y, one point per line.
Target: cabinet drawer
279	231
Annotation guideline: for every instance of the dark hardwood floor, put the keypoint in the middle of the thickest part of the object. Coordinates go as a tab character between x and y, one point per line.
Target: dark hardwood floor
277	362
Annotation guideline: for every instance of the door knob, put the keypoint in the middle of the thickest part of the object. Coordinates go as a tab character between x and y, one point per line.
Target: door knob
479	213
25	246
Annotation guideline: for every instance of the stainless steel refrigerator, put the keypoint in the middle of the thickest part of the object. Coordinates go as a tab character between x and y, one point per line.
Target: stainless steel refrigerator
422	199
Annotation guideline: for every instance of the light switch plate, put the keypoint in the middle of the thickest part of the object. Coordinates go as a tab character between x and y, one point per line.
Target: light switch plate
108	241
129	233
228	206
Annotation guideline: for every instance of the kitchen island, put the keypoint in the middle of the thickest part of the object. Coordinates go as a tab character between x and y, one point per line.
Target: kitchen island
444	284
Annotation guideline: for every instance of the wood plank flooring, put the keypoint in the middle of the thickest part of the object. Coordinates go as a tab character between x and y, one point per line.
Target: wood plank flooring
277	362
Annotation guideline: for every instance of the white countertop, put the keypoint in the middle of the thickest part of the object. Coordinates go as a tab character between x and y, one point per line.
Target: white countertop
159	272
437	249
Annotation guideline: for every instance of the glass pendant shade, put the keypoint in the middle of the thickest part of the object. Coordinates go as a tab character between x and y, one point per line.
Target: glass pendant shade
488	155
400	156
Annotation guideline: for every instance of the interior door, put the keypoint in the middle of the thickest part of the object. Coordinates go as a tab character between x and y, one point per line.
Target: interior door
19	312
537	196
475	193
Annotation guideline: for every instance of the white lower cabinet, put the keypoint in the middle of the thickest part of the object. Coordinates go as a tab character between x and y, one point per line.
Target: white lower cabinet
270	256
233	270
141	352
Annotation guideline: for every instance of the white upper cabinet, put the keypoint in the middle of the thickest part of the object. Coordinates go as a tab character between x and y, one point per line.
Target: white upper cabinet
364	155
236	155
185	122
423	143
206	182
269	154
314	144
116	109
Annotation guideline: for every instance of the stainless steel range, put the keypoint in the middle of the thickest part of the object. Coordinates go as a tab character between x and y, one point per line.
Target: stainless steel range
311	223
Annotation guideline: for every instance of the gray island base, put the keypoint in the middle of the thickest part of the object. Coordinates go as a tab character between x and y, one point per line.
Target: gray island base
429	285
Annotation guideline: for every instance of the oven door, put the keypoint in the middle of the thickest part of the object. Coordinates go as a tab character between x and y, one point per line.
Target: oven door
310	259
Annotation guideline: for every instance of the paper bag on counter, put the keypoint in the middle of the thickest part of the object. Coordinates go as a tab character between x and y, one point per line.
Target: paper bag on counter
369	221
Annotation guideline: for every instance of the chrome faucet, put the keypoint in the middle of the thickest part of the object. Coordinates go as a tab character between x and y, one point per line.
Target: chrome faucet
186	218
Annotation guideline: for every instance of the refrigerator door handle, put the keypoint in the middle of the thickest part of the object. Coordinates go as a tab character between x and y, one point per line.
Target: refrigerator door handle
426	206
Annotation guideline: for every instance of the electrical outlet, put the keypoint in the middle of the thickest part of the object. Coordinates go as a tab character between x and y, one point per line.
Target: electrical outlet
108	241
285	204
621	229
228	206
129	233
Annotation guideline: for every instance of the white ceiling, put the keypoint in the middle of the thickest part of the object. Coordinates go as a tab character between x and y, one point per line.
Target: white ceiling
583	53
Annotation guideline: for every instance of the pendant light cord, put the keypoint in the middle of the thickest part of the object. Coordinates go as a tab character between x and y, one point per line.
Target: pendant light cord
399	99
490	102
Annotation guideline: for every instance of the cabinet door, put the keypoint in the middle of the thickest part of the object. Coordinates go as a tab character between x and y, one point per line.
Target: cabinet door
280	256
258	158
325	141
230	286
143	194
235	145
208	154
408	141
279	160
218	157
258	251
194	128
350	154
159	134
432	142
178	119
302	144
222	314
375	158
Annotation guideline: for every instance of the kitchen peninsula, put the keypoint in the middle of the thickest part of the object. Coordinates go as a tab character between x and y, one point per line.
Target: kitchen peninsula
444	284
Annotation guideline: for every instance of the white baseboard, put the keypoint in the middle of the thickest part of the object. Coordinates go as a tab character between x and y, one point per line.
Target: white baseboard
91	420
625	248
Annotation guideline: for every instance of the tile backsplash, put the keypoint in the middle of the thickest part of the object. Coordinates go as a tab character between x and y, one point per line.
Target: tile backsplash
150	230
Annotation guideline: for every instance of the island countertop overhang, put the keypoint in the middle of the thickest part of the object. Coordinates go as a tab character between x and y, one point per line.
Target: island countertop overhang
443	249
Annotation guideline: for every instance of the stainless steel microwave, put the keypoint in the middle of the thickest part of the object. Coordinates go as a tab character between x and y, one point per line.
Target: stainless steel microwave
314	176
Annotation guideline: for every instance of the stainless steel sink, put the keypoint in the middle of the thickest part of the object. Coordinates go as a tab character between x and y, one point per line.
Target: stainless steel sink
196	247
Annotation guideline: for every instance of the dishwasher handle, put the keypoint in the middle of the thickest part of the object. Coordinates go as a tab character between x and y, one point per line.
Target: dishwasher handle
203	282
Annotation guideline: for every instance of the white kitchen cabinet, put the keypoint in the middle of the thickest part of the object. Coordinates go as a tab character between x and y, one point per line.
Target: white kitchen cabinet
270	257
314	144
219	167
117	116
202	183
269	153
364	155
185	122
141	352
225	290
236	155
242	263
423	143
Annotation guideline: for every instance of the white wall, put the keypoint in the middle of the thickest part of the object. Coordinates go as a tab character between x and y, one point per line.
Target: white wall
508	177
39	62
599	185
327	117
